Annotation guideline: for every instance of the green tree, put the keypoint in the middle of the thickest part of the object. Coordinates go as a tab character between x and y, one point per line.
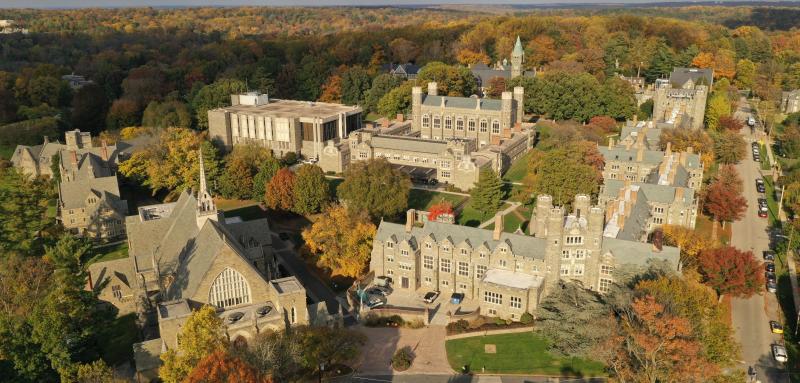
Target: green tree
94	372
661	63
617	99
167	114
374	186
266	171
397	100
532	87
330	345
451	80
237	180
311	190
200	336
89	107
729	146
23	204
745	74
645	111
487	195
381	85
69	254
215	95
565	171
355	84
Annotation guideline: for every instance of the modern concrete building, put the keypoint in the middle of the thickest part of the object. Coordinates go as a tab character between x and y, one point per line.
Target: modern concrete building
682	98
790	102
282	126
508	274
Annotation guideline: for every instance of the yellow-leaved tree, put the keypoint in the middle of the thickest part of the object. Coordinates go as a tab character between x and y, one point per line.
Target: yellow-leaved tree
689	241
201	335
341	240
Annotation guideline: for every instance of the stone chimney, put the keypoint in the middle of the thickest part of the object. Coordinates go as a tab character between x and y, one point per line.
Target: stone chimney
518	127
678	194
74	158
411	217
669	148
105	151
498	227
640	154
400	117
432	89
46	140
383	122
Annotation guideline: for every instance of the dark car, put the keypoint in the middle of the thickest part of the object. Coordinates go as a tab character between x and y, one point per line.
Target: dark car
379	290
769	266
762	202
769	255
456	298
770	276
375	301
263	310
760	186
235	316
430	296
756	158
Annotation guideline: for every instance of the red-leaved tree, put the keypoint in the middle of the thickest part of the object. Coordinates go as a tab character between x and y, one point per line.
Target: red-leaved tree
280	190
440	208
220	367
724	203
729	270
730	123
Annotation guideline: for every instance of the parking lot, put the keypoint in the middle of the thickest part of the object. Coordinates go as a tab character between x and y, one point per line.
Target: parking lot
439	309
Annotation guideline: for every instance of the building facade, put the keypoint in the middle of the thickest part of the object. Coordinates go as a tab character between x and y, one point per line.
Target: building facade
790	102
637	163
282	126
682	98
507	273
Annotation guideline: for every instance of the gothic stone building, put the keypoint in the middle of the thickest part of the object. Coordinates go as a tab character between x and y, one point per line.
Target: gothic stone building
510	273
682	98
504	69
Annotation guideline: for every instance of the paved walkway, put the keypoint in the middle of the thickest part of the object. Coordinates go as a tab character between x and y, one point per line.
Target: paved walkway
427	344
514	206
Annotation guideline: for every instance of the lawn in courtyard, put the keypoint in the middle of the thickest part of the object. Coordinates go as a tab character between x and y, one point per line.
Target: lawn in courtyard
424	199
518	169
521	353
110	253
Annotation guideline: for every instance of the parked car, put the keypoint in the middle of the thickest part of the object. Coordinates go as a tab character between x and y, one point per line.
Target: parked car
779	353
430	296
763	212
775	327
379	290
235	316
456	298
769	276
769	255
263	310
751	121
772	286
756	157
769	266
760	186
762	202
375	301
383	281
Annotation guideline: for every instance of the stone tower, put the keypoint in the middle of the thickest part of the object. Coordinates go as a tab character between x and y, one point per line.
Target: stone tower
517	57
206	208
416	110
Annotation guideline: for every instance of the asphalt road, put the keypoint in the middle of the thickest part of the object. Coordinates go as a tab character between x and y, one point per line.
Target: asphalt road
415	378
751	316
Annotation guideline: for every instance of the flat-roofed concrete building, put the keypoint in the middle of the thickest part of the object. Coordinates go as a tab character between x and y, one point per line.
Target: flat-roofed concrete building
282	126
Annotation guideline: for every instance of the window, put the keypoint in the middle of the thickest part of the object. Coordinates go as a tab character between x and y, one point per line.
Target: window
445	164
404	252
480	270
605	285
536	268
464	251
519	266
492	297
658	220
448	122
502	263
658	210
390	272
463	269
483	126
565	254
460	124
615	167
471	125
580	254
116	291
503	250
574	240
389	258
426	121
445	283
445	174
294	315
428	280
492	312
437	122
427	262
495	127
564	269
445	247
362	155
229	289
516	302
606	270
462	286
444	265
578	269
390	244
405	266
428	245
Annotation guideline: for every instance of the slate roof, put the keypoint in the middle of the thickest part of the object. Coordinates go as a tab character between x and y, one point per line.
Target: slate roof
654	192
485	74
680	76
147	354
120	268
639	253
622	154
409	143
73	194
463	102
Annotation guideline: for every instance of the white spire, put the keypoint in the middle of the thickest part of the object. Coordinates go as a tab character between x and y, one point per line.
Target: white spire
203	189
206	208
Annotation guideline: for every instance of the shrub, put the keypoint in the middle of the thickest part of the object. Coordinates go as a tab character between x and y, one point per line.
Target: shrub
416	323
289	159
373	320
458	326
526	318
402	359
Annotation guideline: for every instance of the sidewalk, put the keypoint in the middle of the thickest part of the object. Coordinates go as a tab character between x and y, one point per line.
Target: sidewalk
514	206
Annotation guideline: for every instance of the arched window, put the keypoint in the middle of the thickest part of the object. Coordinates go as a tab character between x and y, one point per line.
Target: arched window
229	289
495	127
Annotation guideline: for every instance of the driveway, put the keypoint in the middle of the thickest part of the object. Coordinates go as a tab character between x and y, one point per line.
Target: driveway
427	344
751	316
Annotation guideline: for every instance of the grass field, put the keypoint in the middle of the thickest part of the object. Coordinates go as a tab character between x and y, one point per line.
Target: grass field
110	253
765	164
522	353
704	226
518	169
772	204
423	199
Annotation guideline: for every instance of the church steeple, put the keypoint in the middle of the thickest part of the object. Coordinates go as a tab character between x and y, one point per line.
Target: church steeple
206	208
517	57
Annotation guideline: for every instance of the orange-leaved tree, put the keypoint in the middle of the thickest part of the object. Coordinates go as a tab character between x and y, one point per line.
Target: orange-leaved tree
440	208
221	367
280	190
342	240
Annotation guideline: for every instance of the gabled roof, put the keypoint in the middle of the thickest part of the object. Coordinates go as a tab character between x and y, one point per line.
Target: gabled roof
654	192
680	76
639	253
73	194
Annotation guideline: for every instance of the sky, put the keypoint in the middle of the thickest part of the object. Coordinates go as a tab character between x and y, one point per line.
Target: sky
143	3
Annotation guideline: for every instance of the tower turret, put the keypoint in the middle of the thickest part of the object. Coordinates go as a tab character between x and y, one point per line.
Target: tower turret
517	58
206	208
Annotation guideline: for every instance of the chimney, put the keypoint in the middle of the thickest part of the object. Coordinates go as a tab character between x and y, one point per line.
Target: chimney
411	217
400	117
640	154
105	151
495	140
432	89
518	127
498	227
506	133
678	194
46	139
74	158
621	221
610	142
669	148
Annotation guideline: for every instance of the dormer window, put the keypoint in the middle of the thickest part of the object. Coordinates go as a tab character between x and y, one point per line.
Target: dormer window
503	250
390	245
445	247
464	252
404	252
574	240
428	245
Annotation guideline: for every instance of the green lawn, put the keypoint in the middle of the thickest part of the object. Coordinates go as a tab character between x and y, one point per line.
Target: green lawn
6	151
423	199
116	341
512	221
765	164
52	208
110	253
522	353
772	204
518	169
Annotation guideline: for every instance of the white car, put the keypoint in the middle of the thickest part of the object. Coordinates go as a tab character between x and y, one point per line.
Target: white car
779	353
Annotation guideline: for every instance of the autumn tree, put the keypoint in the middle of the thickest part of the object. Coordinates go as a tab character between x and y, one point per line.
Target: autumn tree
95	372
718	107
653	345
729	270
729	146
215	95
690	242
280	190
443	207
375	187
123	113
200	336
332	89
341	239
268	168
487	194
403	50
496	87
745	74
563	172
222	367
724	203
451	80
730	123
167	114
237	179
311	190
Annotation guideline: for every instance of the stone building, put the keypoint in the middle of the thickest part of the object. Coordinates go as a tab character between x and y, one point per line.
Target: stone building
407	71
790	102
486	121
682	98
635	162
505	69
508	274
283	126
187	254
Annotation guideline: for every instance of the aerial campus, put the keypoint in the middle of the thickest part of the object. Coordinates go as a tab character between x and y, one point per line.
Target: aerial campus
431	193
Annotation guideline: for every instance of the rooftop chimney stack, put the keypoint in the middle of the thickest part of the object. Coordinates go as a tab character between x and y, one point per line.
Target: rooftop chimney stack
411	217
498	226
432	89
